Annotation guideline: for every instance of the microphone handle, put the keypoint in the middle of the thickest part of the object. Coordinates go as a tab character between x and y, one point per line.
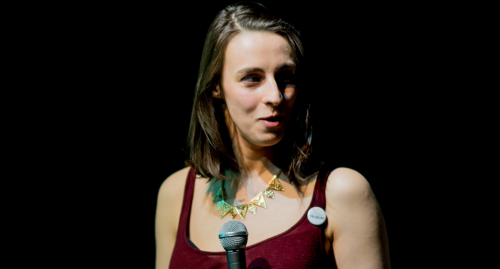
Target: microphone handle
236	259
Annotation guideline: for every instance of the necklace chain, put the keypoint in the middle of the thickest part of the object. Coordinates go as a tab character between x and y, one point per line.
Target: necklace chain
258	200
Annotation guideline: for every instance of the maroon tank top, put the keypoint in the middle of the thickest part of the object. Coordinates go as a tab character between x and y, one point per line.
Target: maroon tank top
301	246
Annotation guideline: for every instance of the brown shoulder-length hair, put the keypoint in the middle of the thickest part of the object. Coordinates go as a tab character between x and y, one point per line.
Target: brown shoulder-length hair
209	144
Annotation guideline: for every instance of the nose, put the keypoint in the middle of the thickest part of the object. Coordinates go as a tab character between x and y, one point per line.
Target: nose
272	93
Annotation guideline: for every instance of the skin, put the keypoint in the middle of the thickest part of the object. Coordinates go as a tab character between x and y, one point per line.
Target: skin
257	81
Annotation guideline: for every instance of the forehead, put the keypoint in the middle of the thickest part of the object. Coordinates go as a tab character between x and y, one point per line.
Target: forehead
257	49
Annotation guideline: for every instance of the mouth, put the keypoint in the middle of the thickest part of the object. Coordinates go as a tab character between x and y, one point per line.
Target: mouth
272	121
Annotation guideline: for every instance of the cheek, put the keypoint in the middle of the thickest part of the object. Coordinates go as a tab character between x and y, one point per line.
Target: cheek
290	93
242	104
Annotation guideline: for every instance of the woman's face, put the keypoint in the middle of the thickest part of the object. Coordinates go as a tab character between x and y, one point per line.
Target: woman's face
258	84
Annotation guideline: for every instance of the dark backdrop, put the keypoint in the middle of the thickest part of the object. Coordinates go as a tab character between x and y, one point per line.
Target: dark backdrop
131	70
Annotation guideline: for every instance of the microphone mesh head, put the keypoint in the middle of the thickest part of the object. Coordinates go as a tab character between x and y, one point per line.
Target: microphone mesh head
239	241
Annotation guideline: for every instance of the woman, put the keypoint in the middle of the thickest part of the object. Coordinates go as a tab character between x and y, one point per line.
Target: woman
250	159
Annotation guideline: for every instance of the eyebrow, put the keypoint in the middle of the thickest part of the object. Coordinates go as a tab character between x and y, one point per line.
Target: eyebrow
249	70
256	69
286	66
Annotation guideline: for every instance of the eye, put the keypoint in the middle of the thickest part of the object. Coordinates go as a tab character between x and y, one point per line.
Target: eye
286	78
251	79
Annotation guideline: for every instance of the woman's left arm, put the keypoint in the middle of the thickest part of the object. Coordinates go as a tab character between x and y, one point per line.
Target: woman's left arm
355	222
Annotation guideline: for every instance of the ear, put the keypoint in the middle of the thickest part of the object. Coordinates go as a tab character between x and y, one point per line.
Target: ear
216	92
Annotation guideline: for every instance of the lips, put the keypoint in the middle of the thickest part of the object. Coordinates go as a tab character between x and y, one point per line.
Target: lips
274	118
272	121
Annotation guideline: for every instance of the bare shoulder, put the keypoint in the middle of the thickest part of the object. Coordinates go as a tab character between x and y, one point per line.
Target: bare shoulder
168	210
172	186
345	183
356	226
170	198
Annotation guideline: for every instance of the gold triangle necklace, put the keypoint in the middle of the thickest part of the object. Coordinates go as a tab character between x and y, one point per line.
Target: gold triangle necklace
258	200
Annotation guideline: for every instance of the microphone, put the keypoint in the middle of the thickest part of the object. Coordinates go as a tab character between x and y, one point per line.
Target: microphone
233	236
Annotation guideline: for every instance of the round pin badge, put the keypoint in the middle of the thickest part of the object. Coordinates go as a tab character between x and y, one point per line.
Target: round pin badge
316	215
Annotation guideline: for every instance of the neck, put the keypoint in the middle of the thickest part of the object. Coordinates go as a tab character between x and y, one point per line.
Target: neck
257	170
255	160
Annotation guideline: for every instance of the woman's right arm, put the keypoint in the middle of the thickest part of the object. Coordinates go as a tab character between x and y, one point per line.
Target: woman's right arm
168	211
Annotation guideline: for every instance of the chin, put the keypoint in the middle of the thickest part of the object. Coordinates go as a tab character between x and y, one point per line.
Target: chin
263	138
270	139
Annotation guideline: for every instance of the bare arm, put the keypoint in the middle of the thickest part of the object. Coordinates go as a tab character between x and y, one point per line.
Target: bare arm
357	224
168	210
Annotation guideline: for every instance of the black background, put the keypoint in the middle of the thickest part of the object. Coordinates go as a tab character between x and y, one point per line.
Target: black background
386	105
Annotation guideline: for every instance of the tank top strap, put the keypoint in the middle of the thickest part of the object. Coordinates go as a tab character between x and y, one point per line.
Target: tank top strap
320	186
186	206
